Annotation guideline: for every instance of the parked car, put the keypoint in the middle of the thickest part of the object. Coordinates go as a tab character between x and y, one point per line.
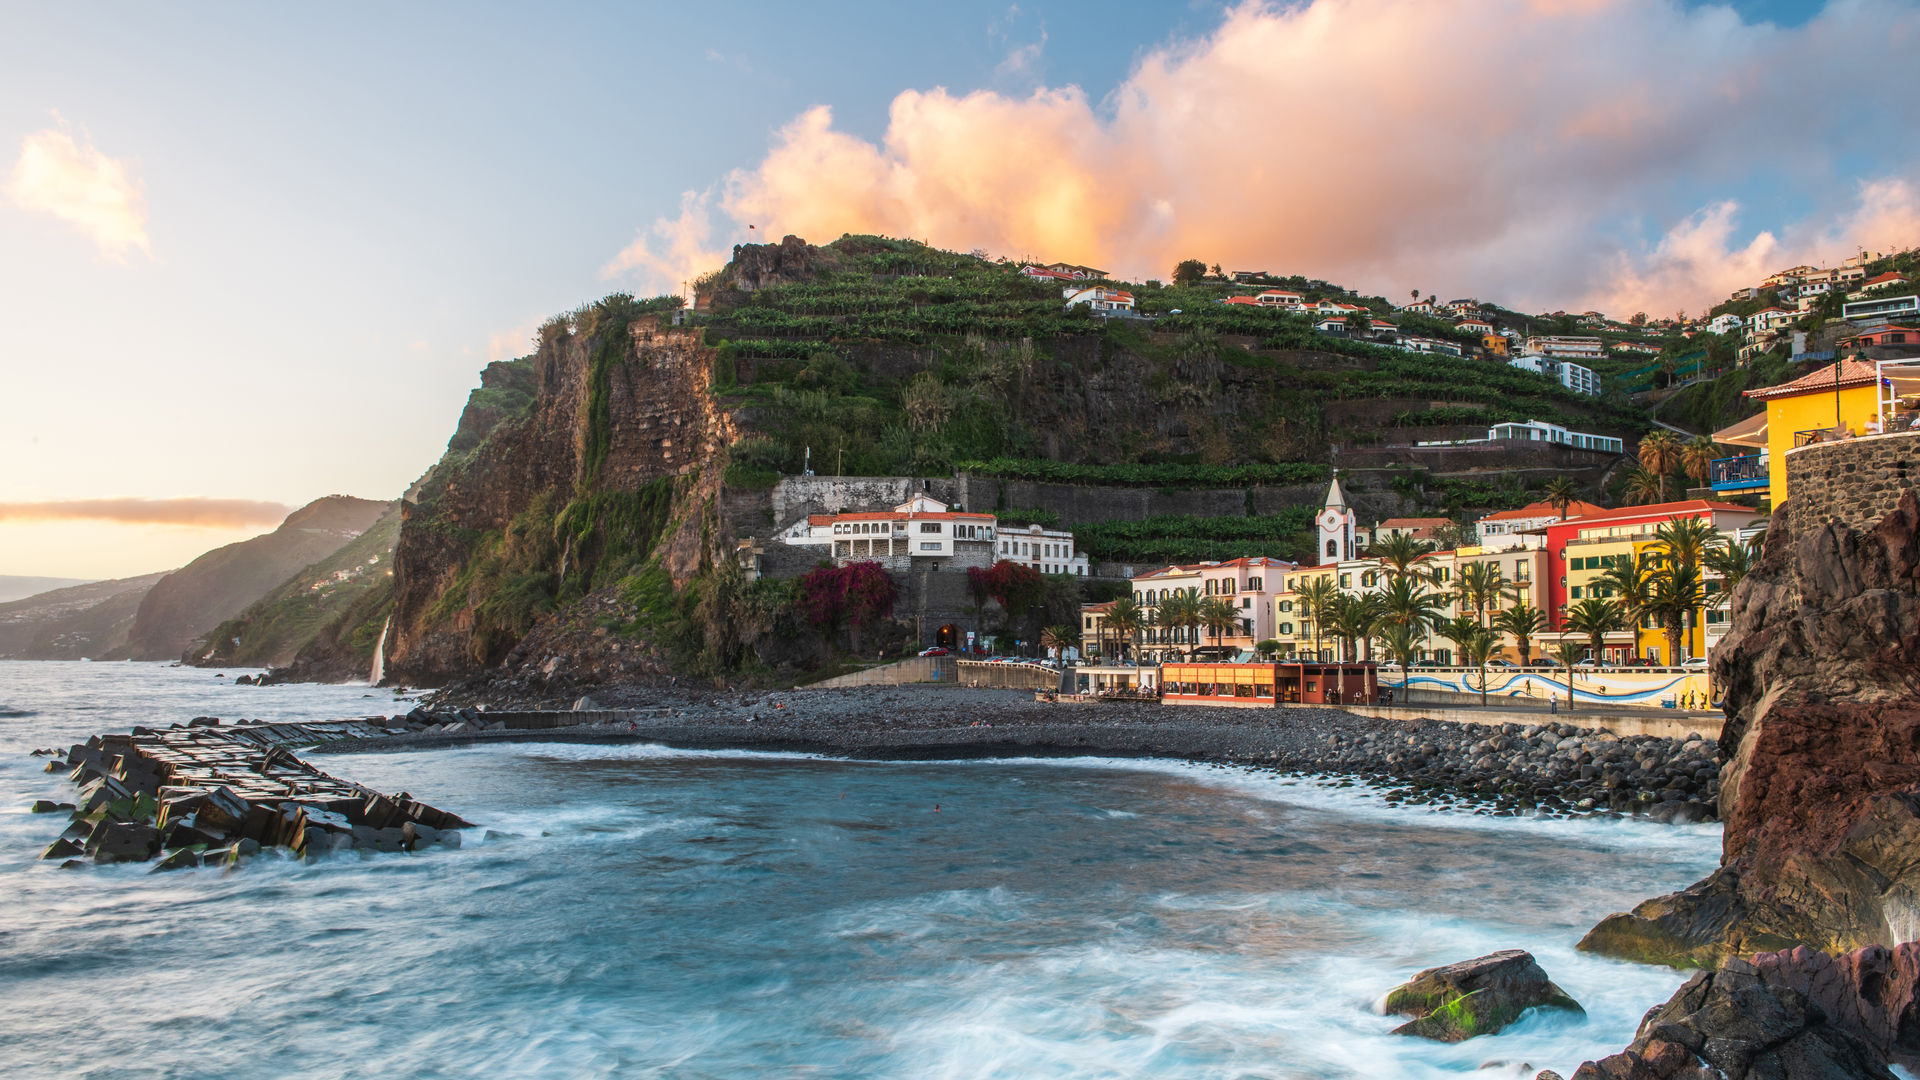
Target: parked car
1697	663
1502	663
937	650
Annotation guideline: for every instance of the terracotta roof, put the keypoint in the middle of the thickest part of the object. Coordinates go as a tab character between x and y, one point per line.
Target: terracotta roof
896	515
1241	300
1667	509
1891	275
1546	509
1852	373
1414	523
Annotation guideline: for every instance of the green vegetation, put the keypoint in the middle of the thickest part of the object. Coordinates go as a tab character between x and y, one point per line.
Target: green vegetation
1163	476
1180	538
1708	406
333	600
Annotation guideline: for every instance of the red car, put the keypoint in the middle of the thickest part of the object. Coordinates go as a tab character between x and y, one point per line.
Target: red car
937	650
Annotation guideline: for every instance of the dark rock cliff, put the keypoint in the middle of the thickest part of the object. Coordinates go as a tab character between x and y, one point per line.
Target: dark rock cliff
613	465
1820	788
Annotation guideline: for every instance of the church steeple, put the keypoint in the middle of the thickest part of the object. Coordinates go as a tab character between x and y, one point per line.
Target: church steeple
1337	526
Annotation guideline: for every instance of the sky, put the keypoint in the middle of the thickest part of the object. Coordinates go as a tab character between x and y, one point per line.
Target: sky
251	255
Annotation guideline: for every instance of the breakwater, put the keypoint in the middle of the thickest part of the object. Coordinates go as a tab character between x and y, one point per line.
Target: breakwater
206	792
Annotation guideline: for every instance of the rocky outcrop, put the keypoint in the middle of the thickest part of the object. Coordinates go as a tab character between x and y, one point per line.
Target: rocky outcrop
756	266
615	463
1482	996
1820	787
1733	1024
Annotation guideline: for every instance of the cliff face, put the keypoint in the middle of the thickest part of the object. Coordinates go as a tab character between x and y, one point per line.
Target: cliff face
612	467
220	584
1820	787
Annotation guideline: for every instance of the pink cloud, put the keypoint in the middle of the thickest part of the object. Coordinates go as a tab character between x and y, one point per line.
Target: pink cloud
1493	148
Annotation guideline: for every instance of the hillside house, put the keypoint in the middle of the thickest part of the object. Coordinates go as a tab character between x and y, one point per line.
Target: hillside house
1576	377
1726	323
1280	298
1049	551
1098	298
1892	279
1474	325
1567	348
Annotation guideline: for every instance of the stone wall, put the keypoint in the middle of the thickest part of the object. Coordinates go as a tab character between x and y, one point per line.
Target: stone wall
1854	482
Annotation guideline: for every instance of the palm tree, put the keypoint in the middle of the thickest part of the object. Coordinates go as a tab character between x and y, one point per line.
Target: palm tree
1399	552
1057	639
1568	654
1561	493
1407	602
1733	562
1476	643
1697	456
1660	454
1219	617
1352	619
1401	641
1677	593
1523	621
1315	597
1181	609
1685	540
1125	618
1643	487
1629	580
1595	618
1479	585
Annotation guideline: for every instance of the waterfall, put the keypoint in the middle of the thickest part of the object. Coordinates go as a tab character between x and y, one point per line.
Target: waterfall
380	655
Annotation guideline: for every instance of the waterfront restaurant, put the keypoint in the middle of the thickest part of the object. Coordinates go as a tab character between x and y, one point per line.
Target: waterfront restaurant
1269	684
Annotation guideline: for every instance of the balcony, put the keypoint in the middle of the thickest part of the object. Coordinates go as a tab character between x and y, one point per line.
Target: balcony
1745	473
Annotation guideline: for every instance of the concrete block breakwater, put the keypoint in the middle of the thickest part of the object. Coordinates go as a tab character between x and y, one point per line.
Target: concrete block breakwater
206	793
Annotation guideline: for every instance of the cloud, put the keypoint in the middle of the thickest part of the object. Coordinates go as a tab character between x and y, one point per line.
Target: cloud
683	252
83	187
191	512
1538	152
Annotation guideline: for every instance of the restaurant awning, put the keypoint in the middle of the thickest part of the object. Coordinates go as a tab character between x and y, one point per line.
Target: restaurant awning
1749	432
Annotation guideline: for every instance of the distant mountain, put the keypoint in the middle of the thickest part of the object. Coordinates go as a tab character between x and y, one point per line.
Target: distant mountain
221	584
90	620
342	598
13	587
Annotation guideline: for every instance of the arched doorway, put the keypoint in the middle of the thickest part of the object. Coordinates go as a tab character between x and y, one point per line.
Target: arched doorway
948	637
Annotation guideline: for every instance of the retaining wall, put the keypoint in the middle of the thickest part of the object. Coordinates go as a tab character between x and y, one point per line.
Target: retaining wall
1854	481
918	669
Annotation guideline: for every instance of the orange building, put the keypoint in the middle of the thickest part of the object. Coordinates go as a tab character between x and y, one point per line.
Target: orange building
1265	685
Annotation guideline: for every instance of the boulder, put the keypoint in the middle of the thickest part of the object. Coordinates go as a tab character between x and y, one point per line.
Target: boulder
1820	775
1475	997
48	806
123	841
62	848
1733	1025
183	859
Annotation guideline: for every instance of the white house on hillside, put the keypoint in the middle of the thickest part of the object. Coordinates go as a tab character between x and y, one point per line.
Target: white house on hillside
1098	298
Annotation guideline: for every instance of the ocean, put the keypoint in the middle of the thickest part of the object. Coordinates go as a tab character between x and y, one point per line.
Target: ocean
647	912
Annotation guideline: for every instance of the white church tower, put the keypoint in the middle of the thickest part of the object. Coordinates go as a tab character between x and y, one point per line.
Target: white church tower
1337	526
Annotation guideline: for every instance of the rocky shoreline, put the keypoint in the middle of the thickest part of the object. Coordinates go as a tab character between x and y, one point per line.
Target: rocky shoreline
1554	769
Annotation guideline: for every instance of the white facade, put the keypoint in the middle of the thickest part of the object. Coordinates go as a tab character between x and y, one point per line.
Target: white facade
1567	348
920	528
1542	432
1049	551
1098	298
1726	323
1575	377
1337	526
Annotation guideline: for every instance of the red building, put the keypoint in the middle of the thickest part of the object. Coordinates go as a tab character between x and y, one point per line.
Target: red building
1579	548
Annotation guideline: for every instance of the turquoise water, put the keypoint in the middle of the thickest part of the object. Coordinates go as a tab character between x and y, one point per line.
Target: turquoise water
658	913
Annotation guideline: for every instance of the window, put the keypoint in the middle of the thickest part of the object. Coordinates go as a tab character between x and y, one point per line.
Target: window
929	526
1286	628
1346	581
933	545
1089	622
1253	584
1332	549
1574	592
1286	605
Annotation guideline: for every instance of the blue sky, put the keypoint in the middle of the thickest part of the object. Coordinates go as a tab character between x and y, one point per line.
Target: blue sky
343	212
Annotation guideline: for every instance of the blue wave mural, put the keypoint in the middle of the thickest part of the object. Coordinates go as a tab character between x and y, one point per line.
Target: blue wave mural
1526	684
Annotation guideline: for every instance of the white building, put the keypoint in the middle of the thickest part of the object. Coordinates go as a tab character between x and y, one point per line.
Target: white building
1049	551
1575	377
1726	323
1338	527
1098	298
919	532
1510	529
1542	432
1567	348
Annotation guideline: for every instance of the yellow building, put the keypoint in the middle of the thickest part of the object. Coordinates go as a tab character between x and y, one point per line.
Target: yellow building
1844	395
